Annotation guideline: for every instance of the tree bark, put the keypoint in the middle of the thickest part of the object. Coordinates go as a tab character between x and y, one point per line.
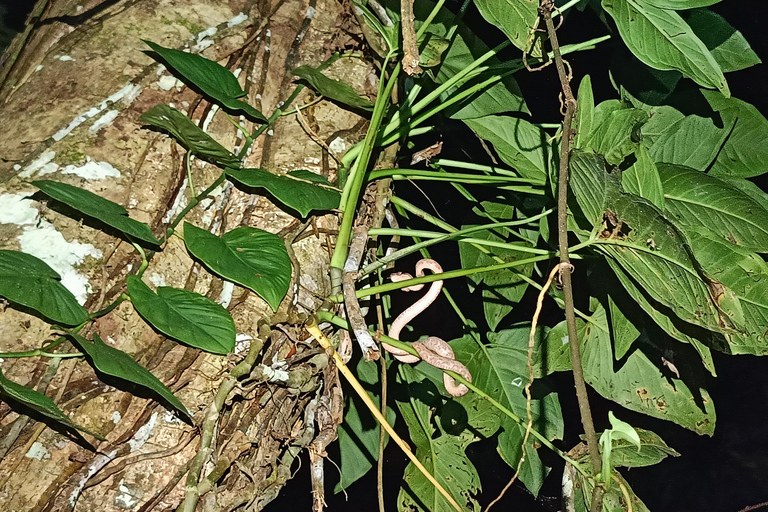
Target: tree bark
73	90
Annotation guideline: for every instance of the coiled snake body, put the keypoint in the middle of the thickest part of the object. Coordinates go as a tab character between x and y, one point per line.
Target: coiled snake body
433	350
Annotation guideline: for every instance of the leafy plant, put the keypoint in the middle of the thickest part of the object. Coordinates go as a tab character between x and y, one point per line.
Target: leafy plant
650	195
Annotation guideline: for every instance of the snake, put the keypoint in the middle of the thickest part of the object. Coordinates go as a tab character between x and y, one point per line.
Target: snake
433	350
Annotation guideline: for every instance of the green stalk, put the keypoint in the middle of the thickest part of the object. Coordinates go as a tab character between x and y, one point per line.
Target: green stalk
444	176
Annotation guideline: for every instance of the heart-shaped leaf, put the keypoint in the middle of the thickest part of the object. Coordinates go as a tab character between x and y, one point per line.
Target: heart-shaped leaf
210	77
189	135
38	402
92	205
247	256
300	190
29	281
117	363
186	316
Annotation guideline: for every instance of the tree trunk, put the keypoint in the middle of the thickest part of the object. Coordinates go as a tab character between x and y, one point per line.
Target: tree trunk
73	90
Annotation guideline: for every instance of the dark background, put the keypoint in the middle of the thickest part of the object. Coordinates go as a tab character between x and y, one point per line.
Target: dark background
724	473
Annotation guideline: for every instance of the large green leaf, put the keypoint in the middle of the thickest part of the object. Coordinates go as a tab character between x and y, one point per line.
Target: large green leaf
746	275
638	382
515	18
701	201
189	135
441	453
745	152
661	39
661	118
692	141
186	316
585	113
637	236
501	370
210	77
359	434
520	144
117	363
247	256
618	135
92	205
301	190
332	89
29	281
652	450
38	402
680	4
642	178
501	290
728	47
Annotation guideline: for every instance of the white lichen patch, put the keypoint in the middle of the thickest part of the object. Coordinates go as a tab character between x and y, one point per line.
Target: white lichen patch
227	289
127	94
157	279
338	145
103	121
92	170
143	434
168	82
17	209
127	497
38	451
115	417
242	343
46	243
203	39
38	164
237	20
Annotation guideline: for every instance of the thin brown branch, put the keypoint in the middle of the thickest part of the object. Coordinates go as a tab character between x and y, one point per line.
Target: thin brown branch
410	46
545	11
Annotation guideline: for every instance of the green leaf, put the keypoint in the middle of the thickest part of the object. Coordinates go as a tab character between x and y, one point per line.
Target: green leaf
639	84
586	112
614	499
623	330
661	118
186	316
29	281
692	141
501	370
617	136
189	135
441	453
746	275
359	434
211	78
514	18
39	402
520	144
652	450
680	4
642	178
503	289
247	256
638	382
698	200
117	363
661	39
745	152
623	430
726	44
92	205
333	89
301	190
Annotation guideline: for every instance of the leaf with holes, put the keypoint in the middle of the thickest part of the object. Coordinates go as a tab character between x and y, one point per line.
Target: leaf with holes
38	402
211	78
332	89
189	135
183	315
29	281
117	363
303	191
92	205
247	256
663	40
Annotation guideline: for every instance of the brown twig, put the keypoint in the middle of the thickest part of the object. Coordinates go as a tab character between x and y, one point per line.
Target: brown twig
410	46
545	11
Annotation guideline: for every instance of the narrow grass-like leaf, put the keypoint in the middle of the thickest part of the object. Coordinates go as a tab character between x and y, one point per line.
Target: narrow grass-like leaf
92	205
210	77
586	110
701	201
186	316
117	363
29	281
38	402
332	89
189	135
247	256
300	190
663	40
